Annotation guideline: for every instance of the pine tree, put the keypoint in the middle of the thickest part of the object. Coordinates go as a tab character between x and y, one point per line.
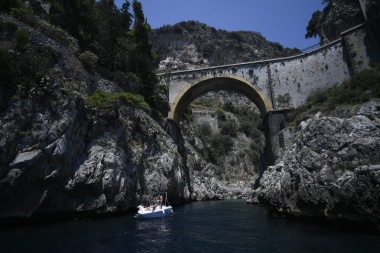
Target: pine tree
312	30
7	5
142	58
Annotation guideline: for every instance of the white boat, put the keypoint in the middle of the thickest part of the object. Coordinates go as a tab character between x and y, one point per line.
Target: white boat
157	207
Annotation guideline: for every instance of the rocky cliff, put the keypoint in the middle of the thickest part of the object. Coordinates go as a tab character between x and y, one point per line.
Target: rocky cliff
330	166
332	170
191	44
341	15
227	136
58	155
338	16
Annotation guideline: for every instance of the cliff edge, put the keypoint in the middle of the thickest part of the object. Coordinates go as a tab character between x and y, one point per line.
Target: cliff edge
331	171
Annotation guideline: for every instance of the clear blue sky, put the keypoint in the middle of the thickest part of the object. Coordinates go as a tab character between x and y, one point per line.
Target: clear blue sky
282	21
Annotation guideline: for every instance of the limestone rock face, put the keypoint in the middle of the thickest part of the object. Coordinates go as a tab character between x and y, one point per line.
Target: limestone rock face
84	163
192	45
59	156
338	16
126	158
234	169
205	184
332	171
341	15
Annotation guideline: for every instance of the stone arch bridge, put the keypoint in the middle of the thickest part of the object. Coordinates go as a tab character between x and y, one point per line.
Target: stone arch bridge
275	85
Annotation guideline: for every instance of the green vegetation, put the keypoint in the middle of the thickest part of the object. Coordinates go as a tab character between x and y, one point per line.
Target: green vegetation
88	59
320	18
250	123
220	115
21	39
104	99
228	128
36	88
361	88
229	107
23	66
205	129
216	146
226	40
190	26
220	145
9	5
205	102
7	87
108	39
313	28
235	36
284	100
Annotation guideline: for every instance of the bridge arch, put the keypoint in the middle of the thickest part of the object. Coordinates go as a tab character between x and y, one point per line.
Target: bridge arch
216	83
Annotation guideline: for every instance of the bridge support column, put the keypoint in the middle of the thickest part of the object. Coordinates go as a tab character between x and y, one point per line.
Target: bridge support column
274	122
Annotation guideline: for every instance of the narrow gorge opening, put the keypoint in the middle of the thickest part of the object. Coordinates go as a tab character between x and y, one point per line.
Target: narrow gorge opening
222	119
226	130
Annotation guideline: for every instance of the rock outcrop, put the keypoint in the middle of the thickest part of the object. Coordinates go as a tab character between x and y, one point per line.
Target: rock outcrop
338	16
231	150
332	170
78	163
192	45
341	15
59	156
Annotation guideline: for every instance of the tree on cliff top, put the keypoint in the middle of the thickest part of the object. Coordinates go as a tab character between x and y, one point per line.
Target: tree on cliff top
8	5
336	17
313	28
105	30
141	60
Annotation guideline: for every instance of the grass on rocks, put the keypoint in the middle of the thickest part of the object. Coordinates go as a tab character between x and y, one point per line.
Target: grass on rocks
104	99
361	88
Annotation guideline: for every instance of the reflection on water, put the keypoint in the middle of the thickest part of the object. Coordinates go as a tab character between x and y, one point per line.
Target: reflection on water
153	235
221	226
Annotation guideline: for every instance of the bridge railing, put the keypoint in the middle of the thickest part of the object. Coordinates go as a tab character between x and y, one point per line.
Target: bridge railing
311	48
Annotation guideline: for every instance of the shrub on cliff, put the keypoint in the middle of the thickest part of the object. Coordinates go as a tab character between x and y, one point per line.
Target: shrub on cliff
7	87
228	128
313	28
220	145
23	65
88	59
105	30
21	39
8	5
104	99
361	88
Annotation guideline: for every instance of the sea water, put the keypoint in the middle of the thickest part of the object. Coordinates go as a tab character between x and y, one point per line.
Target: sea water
213	226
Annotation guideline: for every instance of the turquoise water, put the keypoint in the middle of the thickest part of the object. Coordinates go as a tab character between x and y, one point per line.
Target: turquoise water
216	226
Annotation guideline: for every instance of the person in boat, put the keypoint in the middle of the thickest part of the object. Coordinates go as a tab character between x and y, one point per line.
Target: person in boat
154	202
160	200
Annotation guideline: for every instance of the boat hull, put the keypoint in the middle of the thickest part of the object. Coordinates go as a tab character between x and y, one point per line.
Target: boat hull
149	213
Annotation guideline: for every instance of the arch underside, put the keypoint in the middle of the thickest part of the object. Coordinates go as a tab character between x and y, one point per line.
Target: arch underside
238	85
